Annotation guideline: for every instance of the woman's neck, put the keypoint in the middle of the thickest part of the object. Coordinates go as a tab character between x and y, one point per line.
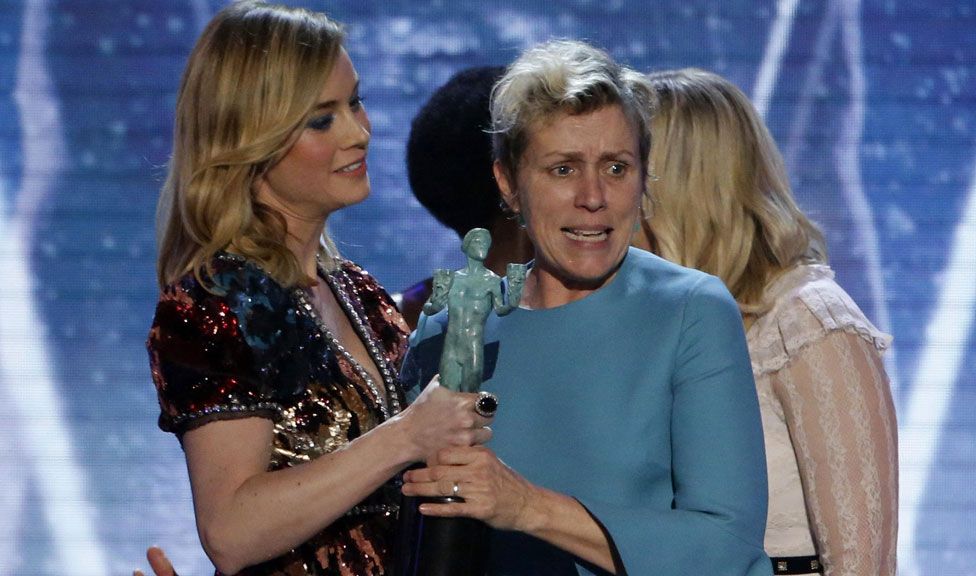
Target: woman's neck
509	244
303	232
544	289
304	239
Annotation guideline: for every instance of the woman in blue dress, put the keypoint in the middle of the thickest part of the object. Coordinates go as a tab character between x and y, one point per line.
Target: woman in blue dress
629	437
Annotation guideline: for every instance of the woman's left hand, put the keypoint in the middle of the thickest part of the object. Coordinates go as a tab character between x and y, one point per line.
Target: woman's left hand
500	497
492	492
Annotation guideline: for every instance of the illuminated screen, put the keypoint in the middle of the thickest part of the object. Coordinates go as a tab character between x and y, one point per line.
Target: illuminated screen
873	104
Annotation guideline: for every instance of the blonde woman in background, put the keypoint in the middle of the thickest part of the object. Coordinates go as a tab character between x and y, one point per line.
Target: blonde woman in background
719	201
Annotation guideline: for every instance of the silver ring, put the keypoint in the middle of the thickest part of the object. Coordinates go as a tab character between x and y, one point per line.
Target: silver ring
486	405
456	490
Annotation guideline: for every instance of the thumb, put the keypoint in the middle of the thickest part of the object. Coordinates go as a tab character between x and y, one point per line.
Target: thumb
159	562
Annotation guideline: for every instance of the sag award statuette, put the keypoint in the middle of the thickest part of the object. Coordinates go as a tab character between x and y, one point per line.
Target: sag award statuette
431	546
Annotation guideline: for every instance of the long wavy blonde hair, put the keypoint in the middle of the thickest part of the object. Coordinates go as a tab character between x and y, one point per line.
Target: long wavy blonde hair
250	84
719	199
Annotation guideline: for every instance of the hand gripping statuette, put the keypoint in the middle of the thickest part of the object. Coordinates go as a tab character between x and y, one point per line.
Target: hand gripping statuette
432	546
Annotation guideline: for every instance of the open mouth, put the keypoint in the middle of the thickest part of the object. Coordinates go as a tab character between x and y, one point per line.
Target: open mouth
592	236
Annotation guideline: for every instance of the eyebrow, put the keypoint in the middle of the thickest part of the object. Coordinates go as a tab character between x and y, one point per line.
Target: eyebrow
332	103
572	155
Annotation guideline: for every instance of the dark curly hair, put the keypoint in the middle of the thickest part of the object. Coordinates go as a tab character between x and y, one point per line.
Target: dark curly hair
449	153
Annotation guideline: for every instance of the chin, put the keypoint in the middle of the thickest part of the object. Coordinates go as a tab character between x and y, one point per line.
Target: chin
587	278
355	195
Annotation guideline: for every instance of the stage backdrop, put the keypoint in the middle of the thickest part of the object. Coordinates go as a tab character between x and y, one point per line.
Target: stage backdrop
872	102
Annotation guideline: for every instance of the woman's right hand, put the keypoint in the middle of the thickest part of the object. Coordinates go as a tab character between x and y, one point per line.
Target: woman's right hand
439	418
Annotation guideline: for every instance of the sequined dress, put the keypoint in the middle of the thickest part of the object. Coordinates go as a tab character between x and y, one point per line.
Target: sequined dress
250	347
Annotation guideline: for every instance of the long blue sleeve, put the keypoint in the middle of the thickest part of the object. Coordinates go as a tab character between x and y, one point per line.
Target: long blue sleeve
718	466
638	401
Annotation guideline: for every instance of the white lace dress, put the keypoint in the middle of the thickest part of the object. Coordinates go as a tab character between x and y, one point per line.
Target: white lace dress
829	424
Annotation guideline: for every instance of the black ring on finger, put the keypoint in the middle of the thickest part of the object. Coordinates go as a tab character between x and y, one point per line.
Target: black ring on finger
486	405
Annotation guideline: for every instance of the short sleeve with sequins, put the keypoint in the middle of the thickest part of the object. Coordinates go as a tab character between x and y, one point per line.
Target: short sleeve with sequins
228	350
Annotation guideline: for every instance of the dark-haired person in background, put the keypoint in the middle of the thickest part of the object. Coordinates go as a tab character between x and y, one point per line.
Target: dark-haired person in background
449	167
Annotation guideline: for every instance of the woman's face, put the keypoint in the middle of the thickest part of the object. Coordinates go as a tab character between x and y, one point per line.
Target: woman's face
578	187
325	169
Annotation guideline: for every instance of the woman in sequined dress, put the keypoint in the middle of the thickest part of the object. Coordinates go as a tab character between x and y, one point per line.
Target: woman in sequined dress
275	360
827	412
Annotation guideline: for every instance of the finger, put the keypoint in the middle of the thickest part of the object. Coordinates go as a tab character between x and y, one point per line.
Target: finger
464	439
484	406
459	455
471	398
449	509
480	421
421	475
482	435
441	484
414	489
444	488
159	562
434	383
429	488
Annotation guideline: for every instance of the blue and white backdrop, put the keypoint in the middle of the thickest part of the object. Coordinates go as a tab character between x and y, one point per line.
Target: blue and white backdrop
873	103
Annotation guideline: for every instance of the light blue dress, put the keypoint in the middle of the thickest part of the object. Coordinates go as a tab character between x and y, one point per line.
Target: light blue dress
638	401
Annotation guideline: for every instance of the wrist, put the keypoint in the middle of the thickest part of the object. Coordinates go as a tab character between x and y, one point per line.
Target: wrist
536	511
399	436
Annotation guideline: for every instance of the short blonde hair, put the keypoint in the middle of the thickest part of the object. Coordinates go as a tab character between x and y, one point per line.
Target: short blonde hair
249	86
718	196
562	76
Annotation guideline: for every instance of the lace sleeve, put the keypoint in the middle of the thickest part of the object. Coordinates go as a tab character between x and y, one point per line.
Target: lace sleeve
838	407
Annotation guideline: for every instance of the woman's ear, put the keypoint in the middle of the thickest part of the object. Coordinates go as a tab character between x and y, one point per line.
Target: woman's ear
505	187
